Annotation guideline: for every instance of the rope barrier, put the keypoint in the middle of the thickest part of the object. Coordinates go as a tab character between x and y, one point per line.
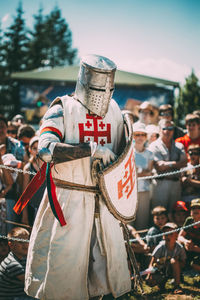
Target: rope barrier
170	173
130	240
166	233
139	178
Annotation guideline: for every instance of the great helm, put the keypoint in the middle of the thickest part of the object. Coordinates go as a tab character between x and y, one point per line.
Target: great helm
95	84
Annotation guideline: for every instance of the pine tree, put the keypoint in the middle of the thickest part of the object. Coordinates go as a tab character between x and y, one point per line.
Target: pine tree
2	56
16	43
38	43
59	49
189	97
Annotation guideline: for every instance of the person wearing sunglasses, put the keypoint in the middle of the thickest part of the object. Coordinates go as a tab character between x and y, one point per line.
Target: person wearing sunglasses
25	133
12	129
166	112
144	165
192	123
168	156
191	178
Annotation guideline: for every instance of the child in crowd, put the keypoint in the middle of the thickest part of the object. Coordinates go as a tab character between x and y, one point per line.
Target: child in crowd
168	258
4	249
12	268
190	237
179	213
160	218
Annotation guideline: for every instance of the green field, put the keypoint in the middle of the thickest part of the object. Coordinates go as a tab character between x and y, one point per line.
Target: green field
190	287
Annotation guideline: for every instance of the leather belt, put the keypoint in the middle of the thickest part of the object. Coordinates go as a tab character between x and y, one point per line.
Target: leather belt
76	186
80	187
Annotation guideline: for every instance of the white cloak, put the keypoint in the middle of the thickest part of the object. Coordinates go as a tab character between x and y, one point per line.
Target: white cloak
58	257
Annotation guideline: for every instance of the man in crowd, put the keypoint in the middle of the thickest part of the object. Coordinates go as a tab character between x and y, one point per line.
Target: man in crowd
168	156
166	112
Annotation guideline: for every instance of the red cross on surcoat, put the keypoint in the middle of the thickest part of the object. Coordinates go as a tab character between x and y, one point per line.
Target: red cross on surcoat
94	128
126	184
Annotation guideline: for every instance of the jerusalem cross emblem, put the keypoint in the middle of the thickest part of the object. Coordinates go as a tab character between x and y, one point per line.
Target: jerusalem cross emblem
95	130
126	184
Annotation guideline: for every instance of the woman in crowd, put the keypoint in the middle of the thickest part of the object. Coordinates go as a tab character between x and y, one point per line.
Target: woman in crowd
144	165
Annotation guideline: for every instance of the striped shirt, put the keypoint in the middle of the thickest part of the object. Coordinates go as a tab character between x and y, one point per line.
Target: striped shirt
10	285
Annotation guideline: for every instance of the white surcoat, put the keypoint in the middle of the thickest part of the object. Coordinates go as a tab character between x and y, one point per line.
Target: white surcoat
58	257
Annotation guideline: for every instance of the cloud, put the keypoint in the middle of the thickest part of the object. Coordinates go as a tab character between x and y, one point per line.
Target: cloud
162	68
5	18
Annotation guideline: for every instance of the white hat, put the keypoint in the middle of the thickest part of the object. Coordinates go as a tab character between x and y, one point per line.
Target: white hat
33	140
139	127
10	160
152	129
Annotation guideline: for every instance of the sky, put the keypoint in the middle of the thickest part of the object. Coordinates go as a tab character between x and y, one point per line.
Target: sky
151	37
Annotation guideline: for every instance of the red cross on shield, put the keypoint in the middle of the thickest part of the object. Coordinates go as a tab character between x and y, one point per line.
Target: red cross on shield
126	184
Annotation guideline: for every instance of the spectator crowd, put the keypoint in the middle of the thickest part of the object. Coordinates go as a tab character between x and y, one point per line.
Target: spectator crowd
165	203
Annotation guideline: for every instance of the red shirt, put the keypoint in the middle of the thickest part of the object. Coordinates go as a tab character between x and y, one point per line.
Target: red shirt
187	141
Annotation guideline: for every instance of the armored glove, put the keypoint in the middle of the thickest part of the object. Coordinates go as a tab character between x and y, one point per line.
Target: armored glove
103	153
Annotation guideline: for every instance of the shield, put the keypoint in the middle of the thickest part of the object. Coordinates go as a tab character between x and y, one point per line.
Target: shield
118	182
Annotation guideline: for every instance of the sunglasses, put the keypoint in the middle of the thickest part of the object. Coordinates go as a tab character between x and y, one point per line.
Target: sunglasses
170	128
192	152
140	134
146	112
165	114
12	131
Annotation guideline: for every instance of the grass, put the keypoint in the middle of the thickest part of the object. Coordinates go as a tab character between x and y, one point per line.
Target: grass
190	287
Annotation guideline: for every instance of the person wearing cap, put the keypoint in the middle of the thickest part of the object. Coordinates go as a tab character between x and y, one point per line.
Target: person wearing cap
190	237
152	133
168	156
169	258
144	165
179	213
192	123
33	166
190	179
166	112
19	119
79	253
147	113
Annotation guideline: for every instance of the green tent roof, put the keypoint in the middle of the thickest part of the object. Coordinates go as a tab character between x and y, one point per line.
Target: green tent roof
70	74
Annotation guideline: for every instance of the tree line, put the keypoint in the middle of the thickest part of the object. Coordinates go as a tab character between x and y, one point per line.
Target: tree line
48	44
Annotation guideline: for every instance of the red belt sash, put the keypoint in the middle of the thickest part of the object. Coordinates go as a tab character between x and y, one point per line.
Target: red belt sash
32	188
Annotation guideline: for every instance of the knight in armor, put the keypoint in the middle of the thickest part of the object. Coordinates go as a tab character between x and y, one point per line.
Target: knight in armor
86	258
